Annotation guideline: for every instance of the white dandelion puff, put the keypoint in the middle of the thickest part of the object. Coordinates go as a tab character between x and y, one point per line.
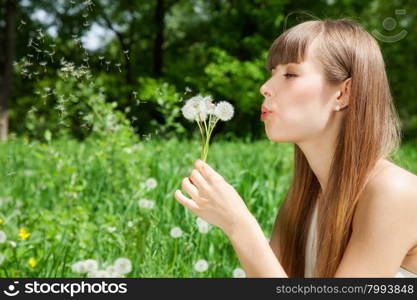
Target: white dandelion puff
91	265
122	265
151	183
130	224
239	273
3	237
224	110
201	265
176	232
79	267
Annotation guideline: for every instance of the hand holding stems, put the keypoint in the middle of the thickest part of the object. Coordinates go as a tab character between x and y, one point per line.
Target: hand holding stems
213	199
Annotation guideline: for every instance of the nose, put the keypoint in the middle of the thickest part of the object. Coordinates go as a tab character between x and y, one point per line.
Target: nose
263	90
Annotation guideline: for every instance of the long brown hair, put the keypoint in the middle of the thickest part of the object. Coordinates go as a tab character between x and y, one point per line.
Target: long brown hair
370	130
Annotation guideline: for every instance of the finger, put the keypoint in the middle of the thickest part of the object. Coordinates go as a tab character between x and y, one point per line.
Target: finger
207	172
189	188
188	203
198	180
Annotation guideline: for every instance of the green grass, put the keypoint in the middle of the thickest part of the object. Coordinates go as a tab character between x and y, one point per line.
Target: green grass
66	194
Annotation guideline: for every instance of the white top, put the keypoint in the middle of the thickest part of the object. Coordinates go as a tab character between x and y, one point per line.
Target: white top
311	249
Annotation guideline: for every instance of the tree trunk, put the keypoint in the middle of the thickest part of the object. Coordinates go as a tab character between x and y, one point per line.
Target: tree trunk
10	50
159	40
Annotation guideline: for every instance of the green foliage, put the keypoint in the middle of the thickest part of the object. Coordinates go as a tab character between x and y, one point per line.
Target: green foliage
168	104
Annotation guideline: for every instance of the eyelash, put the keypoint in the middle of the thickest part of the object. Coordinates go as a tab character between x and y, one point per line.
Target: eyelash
290	75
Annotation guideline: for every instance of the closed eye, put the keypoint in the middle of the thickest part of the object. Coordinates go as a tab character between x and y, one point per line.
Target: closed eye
289	75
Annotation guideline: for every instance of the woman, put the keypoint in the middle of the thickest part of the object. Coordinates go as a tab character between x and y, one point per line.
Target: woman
329	95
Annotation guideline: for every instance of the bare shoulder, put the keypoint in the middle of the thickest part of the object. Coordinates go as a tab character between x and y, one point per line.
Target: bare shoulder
390	197
392	179
384	225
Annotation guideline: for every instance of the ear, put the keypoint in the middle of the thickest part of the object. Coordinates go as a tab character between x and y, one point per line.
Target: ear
344	92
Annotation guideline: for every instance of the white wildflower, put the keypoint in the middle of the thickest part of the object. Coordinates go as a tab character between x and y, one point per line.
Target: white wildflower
201	265
176	232
239	273
224	110
3	237
151	183
122	265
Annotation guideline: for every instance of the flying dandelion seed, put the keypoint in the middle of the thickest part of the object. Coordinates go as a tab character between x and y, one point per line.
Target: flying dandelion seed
22	23
43	64
51	54
89	4
37	52
85	15
187	90
126	52
86	24
107	63
101	59
118	66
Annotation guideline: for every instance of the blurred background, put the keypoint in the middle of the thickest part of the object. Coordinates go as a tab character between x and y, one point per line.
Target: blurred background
149	56
95	143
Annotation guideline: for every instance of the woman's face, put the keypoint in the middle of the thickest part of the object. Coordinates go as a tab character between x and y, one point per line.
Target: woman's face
301	101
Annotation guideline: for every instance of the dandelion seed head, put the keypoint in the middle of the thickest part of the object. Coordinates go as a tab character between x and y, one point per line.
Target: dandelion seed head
151	183
90	265
176	232
201	265
122	265
79	267
224	110
239	273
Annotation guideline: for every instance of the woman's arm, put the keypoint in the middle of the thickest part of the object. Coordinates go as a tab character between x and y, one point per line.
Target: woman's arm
253	250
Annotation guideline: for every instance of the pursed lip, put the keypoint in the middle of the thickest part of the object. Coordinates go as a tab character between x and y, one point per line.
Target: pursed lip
264	109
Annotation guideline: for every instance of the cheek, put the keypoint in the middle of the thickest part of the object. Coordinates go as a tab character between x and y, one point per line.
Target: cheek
299	112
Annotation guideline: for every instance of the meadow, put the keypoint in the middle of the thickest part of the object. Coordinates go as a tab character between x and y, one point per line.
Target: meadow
64	201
